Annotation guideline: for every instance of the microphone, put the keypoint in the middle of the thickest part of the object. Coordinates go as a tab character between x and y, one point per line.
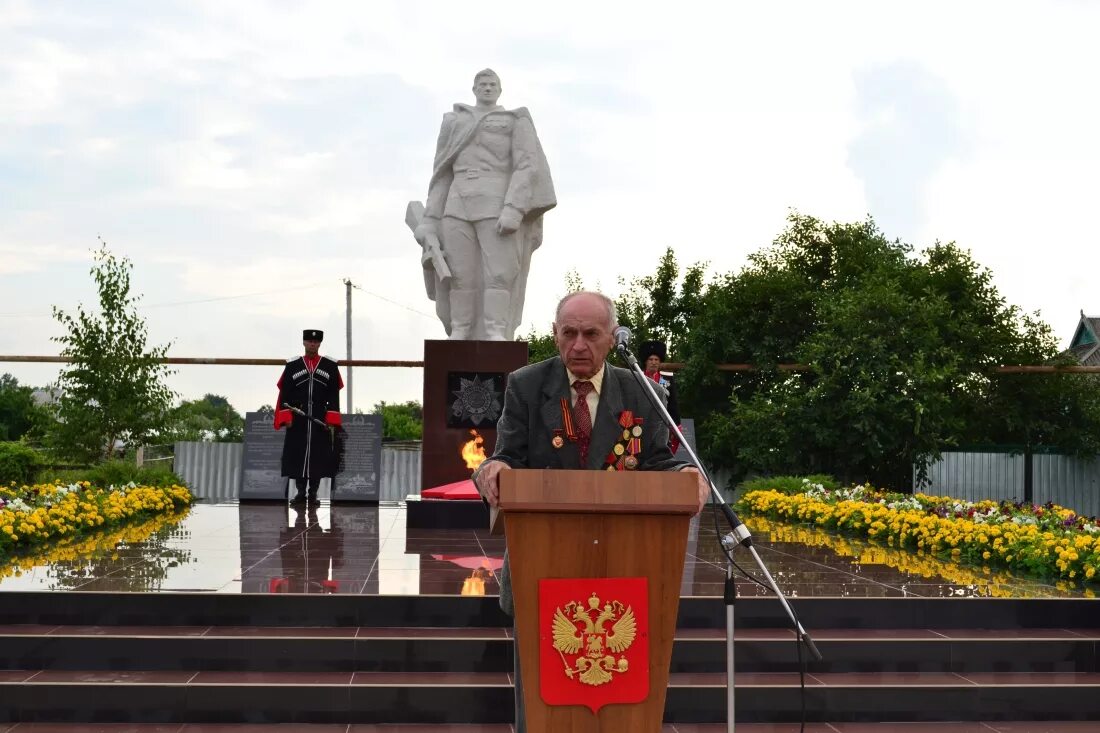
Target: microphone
622	337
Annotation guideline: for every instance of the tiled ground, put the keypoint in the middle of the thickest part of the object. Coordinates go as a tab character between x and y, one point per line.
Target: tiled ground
262	548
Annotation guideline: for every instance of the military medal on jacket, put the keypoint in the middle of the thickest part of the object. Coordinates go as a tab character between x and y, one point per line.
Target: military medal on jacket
624	454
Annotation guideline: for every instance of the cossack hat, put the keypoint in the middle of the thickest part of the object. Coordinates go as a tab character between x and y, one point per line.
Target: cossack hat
651	348
312	334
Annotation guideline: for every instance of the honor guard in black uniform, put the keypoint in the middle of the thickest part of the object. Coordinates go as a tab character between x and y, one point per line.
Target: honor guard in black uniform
652	354
309	405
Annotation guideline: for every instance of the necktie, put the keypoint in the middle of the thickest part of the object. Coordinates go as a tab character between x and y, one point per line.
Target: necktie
584	419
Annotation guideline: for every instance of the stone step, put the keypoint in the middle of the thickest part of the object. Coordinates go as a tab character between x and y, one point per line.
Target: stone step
931	727
816	614
434	649
189	658
419	698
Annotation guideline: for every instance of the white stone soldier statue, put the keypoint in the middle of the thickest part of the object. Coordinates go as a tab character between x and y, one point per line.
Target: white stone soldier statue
490	187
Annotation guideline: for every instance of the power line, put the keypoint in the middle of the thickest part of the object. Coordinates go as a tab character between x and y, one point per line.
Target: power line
393	302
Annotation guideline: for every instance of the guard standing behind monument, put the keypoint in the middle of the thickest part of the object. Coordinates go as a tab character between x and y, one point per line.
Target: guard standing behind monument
309	403
490	187
652	354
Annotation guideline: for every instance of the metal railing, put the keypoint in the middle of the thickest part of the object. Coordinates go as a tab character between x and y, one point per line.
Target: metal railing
670	366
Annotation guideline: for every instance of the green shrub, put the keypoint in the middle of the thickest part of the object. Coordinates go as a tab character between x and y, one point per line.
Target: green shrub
18	462
114	473
787	484
401	421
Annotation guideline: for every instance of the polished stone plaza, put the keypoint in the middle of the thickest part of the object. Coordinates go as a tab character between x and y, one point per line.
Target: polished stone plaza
360	549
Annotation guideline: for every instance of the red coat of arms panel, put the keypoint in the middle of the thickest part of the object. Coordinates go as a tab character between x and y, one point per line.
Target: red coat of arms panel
593	641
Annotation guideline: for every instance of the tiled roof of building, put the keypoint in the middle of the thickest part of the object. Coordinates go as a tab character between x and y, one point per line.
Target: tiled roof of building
1086	354
1085	346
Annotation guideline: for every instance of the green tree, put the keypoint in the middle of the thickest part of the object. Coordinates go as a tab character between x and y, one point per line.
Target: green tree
210	419
663	306
900	348
20	416
540	344
401	421
113	389
659	306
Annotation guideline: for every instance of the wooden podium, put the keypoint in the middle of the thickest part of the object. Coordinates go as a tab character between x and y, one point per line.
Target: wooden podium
596	524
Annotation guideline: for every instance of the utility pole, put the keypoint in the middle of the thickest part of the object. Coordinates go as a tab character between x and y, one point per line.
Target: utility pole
347	285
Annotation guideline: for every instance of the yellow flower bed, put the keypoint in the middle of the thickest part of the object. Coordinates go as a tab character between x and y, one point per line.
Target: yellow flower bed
31	516
983	581
78	550
1046	542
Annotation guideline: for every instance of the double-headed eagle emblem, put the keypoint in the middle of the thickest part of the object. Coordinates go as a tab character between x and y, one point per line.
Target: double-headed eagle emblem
580	630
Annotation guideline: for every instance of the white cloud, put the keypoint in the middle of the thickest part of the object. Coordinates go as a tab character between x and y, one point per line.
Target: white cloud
16	259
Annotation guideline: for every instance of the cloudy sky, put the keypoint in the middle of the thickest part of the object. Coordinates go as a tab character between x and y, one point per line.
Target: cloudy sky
247	156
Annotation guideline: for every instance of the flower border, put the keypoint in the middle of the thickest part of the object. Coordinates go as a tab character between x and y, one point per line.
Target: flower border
31	516
1047	541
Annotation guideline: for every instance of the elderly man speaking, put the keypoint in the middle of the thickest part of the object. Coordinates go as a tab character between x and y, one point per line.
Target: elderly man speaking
565	413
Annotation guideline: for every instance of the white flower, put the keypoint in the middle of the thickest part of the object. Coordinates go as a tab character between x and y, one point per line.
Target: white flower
18	505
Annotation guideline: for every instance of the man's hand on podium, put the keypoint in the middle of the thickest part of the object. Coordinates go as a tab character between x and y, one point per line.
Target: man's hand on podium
487	480
704	487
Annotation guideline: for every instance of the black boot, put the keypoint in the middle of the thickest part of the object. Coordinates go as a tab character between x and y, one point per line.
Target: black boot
300	497
314	484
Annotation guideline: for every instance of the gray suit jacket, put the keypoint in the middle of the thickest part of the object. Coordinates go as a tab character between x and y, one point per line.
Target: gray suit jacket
532	412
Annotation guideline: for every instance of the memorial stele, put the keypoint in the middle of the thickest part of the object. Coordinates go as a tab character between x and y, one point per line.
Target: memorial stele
482	220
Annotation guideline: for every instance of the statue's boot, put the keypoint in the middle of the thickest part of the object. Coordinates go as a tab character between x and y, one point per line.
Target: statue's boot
463	312
497	307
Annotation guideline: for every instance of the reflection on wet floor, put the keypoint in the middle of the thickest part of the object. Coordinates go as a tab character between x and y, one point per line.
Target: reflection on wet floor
343	548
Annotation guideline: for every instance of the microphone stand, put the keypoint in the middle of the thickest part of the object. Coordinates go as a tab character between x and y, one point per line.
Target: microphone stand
738	535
